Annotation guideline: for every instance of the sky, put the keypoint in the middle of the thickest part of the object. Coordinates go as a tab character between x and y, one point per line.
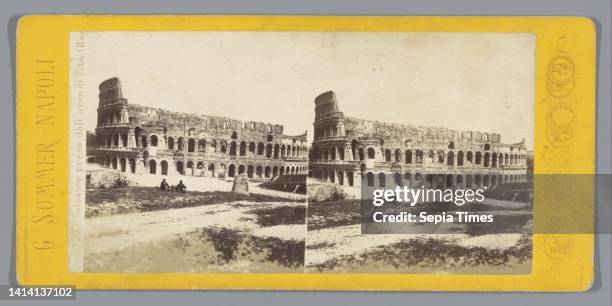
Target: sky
463	81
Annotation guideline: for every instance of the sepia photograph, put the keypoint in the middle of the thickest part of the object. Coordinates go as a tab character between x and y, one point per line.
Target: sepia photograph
253	152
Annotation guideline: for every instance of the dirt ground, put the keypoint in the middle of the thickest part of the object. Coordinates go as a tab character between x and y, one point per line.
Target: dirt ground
141	229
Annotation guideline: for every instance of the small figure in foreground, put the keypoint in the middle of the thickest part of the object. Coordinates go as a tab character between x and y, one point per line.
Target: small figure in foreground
164	185
180	187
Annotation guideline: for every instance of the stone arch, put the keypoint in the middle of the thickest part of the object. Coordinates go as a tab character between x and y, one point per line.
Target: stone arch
460	158
241	169
143	140
388	155
190	167
231	170
354	148
371	153
259	171
180	143
122	164
275	171
282	170
441	157
397	179
470	157
202	145
478	159
152	166
124	140
408	157
382	180
276	150
132	162
398	155
340	177
232	149
370	179
170	143
252	147
361	154
494	160
450	158
164	167
260	148
250	170
191	145
350	178
211	170
267	171
268	150
487	159
243	147
153	140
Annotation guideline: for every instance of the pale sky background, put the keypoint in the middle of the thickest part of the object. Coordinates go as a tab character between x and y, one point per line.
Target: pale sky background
463	81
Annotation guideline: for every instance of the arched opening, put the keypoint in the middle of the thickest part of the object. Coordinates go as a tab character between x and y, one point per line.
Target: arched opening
354	148
211	169
189	168
164	167
231	171
170	143
232	150
243	147
269	150
340	178
397	179
349	178
487	159
282	170
241	169
419	156
494	161
250	170
408	179
276	150
441	157
259	171
449	180
191	145
408	157
152	166
341	153
252	147
132	165
180	143
470	157
124	140
234	135
361	154
478	158
122	164
275	171
387	155
460	158
450	159
398	155
180	168
153	140
370	179
143	139
267	171
202	145
260	148
137	135
382	181
371	153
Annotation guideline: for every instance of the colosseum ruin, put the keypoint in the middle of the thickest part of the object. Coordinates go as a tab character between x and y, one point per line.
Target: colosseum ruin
346	150
139	139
